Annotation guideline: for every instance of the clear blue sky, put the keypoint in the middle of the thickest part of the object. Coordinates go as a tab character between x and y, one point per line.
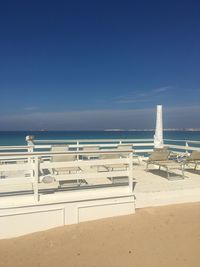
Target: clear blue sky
99	64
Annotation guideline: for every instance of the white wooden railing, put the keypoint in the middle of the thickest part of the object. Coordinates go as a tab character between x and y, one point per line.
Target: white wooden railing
182	145
33	159
139	145
25	172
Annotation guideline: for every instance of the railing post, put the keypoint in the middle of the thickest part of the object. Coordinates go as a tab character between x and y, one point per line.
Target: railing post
31	161
130	179
36	179
77	143
187	145
30	144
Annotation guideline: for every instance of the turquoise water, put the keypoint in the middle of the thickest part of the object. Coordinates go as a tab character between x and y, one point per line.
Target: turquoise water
18	138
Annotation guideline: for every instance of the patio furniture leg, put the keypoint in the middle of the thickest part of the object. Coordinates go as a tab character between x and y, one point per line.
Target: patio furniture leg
183	174
147	167
167	173
195	167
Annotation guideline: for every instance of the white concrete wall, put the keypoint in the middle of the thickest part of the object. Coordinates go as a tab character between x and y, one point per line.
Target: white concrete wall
163	198
23	220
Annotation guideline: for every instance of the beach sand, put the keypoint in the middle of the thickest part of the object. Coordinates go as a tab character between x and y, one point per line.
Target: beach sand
164	236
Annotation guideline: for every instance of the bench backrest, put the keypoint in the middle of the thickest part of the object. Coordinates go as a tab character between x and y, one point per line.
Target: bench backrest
61	158
194	156
159	155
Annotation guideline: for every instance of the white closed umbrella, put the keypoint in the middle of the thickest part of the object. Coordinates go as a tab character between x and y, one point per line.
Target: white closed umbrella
158	137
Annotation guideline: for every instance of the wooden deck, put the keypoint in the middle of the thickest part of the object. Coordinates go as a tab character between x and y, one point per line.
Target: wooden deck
40	193
100	198
152	188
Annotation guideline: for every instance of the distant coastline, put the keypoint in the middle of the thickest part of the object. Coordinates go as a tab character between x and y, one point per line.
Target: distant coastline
150	130
105	130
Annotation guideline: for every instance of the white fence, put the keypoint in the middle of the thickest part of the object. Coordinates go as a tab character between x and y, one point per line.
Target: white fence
182	145
35	169
139	145
40	173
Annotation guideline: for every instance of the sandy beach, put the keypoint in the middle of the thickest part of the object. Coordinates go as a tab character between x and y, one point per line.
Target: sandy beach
163	236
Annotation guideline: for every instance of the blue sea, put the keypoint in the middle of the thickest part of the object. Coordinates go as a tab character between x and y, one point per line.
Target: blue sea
18	138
